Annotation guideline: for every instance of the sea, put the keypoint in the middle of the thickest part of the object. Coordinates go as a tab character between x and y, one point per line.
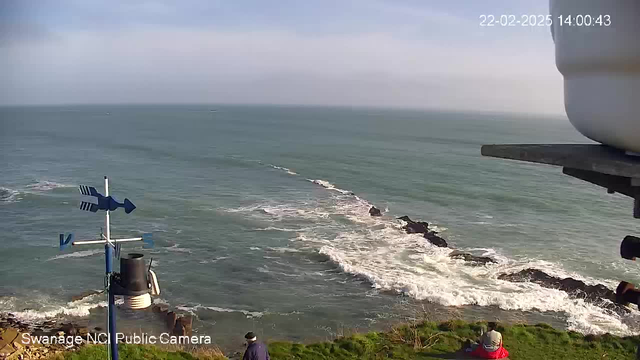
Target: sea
259	216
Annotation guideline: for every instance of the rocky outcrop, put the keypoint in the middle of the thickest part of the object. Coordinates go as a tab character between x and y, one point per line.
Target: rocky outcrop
414	227
374	211
183	326
596	294
14	346
477	260
422	227
179	325
435	239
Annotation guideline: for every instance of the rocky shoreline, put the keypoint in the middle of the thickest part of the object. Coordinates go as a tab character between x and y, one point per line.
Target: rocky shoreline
13	344
599	294
14	332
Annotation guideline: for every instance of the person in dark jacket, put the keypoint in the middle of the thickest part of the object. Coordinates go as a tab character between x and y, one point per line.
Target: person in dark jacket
255	350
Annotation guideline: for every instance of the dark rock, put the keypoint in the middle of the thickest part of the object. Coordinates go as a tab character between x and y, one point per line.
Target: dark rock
435	239
179	330
422	227
414	227
40	332
172	317
68	329
85	294
184	326
160	308
471	258
83	331
596	294
374	211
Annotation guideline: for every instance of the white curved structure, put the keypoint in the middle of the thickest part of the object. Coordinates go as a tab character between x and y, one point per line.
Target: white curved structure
601	69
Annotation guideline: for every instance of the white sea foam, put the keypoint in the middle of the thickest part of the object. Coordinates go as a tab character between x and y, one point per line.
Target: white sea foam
287	170
177	248
265	270
80	308
283	249
379	251
407	264
8	195
44	185
248	314
327	185
212	261
274	228
83	253
279	212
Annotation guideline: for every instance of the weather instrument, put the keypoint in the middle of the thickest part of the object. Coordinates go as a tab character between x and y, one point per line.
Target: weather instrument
135	282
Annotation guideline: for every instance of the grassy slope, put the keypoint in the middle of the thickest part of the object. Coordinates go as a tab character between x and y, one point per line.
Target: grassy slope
140	352
432	341
424	341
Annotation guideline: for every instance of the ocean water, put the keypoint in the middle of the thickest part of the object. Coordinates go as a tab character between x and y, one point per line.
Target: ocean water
256	227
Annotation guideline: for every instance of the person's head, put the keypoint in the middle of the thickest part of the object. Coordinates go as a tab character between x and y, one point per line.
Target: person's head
250	337
492	325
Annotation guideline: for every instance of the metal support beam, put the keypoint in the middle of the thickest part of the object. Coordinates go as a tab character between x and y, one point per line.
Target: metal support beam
598	164
619	184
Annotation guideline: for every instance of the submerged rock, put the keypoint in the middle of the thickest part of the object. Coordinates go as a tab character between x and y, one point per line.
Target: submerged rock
575	288
435	239
422	227
471	258
414	227
374	211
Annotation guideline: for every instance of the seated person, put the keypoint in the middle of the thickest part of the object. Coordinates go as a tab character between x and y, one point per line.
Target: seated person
490	345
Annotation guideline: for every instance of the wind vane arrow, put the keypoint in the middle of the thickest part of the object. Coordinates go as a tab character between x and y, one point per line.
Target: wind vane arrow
104	202
108	204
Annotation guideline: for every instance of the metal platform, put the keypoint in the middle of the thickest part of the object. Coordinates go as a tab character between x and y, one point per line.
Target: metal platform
598	164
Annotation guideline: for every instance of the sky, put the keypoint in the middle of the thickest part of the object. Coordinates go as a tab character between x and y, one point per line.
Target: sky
388	53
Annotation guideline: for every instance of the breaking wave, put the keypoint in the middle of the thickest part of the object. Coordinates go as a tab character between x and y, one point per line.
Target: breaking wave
287	170
329	186
194	309
377	250
83	253
46	186
8	195
48	308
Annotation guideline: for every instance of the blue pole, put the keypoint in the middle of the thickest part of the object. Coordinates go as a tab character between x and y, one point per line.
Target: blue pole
112	304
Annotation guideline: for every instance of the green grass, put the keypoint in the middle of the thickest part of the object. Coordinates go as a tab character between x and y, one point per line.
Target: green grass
442	341
142	352
423	341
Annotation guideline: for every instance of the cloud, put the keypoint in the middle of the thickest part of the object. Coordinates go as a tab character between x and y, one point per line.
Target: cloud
16	34
175	65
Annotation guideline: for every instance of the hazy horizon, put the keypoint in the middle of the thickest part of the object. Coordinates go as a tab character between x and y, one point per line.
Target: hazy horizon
386	54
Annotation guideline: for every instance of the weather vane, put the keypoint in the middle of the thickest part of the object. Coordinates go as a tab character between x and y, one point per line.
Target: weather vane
133	271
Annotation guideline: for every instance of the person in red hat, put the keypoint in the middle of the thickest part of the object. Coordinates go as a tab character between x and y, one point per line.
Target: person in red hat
490	346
